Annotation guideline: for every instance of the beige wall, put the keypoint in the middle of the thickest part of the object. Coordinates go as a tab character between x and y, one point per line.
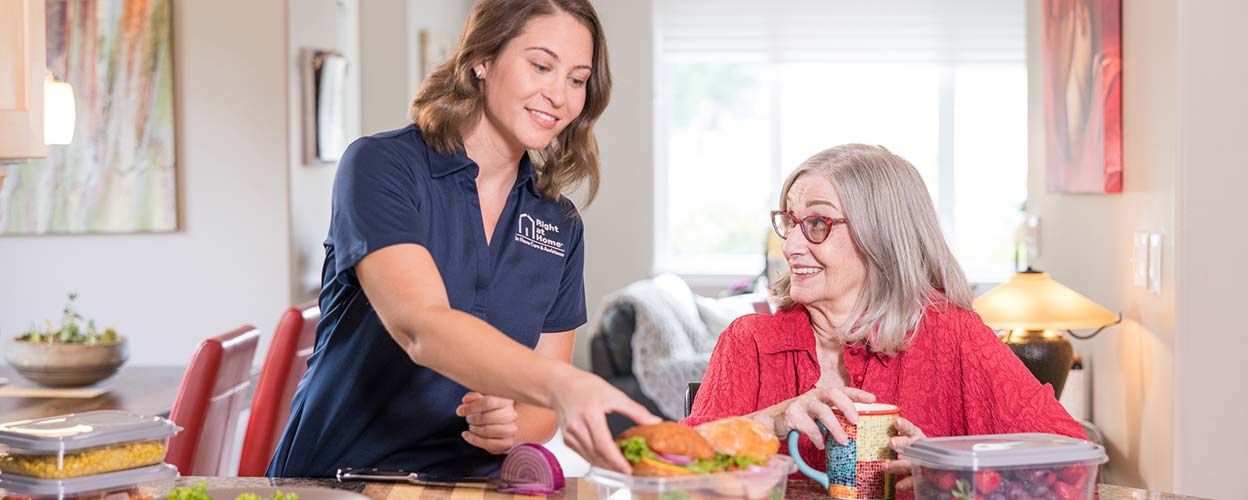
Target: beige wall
228	264
1168	383
1085	242
1211	377
390	53
619	225
322	25
384	53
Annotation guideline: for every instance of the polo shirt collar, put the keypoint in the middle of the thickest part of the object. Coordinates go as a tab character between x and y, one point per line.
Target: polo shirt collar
441	165
525	175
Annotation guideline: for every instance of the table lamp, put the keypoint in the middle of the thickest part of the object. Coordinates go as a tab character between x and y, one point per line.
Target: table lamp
1035	309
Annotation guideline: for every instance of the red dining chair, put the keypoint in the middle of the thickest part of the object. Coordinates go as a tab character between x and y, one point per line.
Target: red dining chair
210	403
284	365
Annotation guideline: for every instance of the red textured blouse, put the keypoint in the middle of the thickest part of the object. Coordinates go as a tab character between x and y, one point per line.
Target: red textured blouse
956	379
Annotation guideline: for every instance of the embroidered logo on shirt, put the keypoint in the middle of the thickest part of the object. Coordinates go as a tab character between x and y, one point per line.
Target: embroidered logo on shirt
532	232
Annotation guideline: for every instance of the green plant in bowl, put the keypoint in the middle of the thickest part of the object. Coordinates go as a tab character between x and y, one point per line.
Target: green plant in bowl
70	332
72	355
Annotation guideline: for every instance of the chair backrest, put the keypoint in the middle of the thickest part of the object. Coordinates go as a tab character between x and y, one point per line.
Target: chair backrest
691	392
284	365
210	403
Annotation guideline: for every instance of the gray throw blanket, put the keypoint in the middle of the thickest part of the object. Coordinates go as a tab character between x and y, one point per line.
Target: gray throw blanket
671	344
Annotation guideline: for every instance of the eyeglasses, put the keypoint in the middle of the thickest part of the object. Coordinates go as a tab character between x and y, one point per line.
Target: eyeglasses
816	227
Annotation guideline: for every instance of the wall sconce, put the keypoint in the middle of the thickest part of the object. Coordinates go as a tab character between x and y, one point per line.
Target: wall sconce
58	111
1035	309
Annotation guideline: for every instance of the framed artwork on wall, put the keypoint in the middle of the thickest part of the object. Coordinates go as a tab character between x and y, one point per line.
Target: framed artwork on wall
435	48
324	105
1082	57
117	174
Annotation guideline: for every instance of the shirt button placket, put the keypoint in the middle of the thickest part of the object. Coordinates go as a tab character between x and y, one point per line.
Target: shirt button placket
484	270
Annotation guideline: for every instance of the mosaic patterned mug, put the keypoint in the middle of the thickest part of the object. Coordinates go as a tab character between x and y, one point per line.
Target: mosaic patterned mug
855	470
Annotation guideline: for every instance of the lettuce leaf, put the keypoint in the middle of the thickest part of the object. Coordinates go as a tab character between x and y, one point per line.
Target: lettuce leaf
635	449
277	495
723	462
198	491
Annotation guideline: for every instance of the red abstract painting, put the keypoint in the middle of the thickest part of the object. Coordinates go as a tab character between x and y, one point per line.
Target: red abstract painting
1083	95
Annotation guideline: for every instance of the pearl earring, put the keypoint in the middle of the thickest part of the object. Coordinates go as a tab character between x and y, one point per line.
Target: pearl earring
480	74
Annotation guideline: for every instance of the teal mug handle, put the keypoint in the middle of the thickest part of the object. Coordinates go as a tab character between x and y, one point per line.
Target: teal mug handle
810	472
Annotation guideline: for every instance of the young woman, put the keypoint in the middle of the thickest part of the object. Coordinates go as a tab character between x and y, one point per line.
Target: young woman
453	282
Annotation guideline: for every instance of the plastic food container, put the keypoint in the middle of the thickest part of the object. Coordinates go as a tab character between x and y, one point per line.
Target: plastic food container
763	483
134	484
1005	466
83	444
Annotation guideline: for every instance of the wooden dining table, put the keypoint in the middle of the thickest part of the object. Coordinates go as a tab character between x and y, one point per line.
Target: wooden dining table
577	489
145	390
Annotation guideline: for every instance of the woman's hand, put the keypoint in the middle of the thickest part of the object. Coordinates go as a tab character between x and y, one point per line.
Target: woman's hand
907	433
582	401
801	413
492	422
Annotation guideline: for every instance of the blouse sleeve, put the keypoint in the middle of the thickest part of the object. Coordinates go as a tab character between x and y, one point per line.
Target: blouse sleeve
1001	396
730	386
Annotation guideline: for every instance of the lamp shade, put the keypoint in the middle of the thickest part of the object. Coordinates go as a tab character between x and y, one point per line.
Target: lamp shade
1032	300
58	112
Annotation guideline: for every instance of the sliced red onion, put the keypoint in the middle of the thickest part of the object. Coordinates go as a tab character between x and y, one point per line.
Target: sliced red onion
676	459
532	467
528	489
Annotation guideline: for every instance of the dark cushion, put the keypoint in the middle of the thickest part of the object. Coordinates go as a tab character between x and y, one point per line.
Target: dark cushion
611	357
611	350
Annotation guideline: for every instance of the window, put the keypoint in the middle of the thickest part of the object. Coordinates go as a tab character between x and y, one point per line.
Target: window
747	90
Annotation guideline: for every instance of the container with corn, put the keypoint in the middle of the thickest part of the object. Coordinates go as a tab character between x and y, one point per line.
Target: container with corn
131	484
84	454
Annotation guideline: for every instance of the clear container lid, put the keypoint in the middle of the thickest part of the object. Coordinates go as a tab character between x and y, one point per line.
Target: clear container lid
87	484
1002	450
79	431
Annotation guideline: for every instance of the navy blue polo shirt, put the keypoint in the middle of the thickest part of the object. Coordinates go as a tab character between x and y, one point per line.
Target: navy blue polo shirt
363	402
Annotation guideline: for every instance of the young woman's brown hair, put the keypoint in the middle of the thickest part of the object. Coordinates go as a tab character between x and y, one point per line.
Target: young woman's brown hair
451	98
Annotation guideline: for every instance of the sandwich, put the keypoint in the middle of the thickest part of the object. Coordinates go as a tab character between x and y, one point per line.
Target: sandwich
671	449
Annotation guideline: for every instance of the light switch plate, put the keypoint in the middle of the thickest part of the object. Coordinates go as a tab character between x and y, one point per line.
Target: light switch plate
1031	237
1154	263
1139	260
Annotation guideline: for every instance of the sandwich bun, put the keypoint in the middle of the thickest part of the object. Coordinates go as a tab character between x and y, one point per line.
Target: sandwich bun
673	439
739	436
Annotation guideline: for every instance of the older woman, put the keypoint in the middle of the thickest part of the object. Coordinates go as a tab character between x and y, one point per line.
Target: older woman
874	309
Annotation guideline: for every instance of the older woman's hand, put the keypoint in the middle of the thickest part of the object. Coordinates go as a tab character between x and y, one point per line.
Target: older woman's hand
493	423
801	413
907	433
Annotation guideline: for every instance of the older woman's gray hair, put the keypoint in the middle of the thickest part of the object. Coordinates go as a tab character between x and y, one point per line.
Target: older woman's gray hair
893	225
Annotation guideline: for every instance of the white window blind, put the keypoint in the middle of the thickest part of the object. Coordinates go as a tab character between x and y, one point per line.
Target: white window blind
949	31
